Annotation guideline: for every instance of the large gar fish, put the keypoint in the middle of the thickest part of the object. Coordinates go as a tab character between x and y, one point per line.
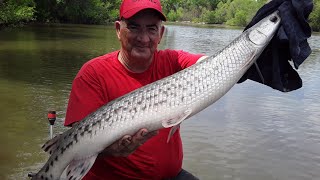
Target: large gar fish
161	104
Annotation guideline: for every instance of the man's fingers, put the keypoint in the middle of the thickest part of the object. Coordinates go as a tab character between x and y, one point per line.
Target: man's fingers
132	142
149	135
125	141
142	136
128	144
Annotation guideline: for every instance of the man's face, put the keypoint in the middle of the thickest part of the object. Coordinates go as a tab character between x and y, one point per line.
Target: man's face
140	35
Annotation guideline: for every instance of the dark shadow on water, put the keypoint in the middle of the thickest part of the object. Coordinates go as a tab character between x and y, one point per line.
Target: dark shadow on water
56	32
60	65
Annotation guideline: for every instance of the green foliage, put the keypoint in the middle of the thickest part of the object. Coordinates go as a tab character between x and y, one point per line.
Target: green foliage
89	12
15	12
190	14
240	12
45	10
315	16
230	12
175	15
209	17
218	16
239	19
77	11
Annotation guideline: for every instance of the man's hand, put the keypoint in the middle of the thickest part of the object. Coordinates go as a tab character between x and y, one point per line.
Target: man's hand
128	144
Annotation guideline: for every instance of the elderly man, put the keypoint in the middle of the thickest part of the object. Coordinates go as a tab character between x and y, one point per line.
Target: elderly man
145	155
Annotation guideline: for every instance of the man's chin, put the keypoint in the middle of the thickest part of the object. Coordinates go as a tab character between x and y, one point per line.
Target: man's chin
142	55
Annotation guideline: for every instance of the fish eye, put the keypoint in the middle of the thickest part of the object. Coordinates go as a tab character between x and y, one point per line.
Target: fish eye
274	19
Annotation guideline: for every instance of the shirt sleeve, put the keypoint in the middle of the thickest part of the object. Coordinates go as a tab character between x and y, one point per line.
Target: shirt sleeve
186	59
86	96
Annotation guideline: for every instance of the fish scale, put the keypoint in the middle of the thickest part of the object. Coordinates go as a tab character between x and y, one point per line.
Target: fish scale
161	104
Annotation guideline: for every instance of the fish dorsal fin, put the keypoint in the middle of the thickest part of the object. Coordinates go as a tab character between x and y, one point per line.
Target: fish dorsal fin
173	121
51	144
79	168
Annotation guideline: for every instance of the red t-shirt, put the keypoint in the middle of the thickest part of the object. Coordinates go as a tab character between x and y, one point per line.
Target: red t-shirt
103	79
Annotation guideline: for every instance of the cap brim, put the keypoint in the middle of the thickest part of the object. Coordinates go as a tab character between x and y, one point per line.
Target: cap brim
134	11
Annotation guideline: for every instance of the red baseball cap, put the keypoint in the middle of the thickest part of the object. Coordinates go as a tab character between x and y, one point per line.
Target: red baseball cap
128	8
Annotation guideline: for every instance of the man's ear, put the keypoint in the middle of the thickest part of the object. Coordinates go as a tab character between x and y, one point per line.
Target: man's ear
117	25
161	32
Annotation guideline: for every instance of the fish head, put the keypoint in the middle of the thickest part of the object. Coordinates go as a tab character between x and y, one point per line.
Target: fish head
262	32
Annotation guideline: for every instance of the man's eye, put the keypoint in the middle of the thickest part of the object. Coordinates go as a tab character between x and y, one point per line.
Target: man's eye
153	29
132	27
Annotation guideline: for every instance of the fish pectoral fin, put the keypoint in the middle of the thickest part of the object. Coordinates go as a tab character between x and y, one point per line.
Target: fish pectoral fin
79	168
51	145
172	131
166	123
175	122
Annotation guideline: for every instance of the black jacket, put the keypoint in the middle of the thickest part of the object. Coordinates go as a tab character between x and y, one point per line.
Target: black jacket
289	44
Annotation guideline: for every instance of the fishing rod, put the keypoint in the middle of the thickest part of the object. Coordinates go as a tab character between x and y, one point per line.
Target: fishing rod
52	116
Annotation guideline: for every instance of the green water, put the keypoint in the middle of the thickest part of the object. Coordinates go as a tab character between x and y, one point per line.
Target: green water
254	132
37	65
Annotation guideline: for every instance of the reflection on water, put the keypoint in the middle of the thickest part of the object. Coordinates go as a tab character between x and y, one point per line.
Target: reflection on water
37	65
253	132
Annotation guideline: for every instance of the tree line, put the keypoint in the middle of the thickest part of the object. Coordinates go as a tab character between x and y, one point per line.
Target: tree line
228	12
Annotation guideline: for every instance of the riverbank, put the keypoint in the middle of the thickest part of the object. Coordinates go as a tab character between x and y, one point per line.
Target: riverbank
201	24
180	23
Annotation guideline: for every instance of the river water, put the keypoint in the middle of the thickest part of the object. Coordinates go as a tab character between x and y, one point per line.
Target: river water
253	132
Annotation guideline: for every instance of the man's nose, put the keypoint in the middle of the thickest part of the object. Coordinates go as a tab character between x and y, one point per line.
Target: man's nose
143	35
